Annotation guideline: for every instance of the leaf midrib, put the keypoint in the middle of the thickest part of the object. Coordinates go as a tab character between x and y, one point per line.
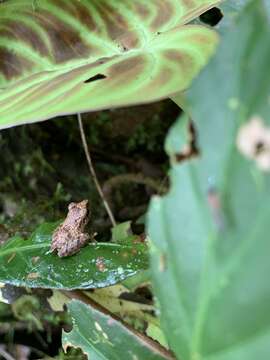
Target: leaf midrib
23	248
47	244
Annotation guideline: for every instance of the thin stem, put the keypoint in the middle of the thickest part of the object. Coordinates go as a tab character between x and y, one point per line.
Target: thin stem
93	172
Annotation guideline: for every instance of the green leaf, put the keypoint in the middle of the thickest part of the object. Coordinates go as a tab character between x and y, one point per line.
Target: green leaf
154	331
102	337
122	234
62	57
210	251
30	263
231	9
141	278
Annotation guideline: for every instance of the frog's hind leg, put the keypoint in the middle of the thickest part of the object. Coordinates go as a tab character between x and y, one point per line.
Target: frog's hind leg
72	246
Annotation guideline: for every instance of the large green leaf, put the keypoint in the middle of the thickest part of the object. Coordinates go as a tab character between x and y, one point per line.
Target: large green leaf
102	337
231	9
29	263
210	252
62	56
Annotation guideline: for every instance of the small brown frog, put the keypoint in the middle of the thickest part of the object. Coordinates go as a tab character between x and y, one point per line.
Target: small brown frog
69	237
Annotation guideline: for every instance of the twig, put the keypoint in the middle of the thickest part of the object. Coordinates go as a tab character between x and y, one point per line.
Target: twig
131	178
93	172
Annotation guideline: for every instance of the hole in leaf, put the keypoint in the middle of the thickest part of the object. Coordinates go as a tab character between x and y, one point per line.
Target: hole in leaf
191	149
212	17
95	78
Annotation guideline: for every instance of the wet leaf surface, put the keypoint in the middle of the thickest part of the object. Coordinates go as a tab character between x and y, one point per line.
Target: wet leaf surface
30	263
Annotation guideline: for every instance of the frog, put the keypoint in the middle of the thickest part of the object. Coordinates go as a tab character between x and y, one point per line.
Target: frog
70	236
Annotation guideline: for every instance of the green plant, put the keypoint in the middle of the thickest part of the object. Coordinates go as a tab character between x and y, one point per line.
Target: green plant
110	54
210	246
192	286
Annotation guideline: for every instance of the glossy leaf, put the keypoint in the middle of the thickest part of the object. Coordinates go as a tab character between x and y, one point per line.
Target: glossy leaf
210	252
101	337
30	263
59	56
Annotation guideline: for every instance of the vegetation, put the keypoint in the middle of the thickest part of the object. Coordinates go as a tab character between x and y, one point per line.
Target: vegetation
178	247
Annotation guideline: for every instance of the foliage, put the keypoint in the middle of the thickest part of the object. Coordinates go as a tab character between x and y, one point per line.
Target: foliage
63	57
30	263
204	295
102	337
210	243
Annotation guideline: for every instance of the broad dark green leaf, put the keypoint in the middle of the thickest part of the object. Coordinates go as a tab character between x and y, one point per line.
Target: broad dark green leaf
60	56
29	263
210	252
101	337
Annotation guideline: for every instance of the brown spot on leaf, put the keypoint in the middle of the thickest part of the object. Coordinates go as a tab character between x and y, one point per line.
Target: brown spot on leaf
214	202
100	264
125	255
33	276
139	239
35	259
